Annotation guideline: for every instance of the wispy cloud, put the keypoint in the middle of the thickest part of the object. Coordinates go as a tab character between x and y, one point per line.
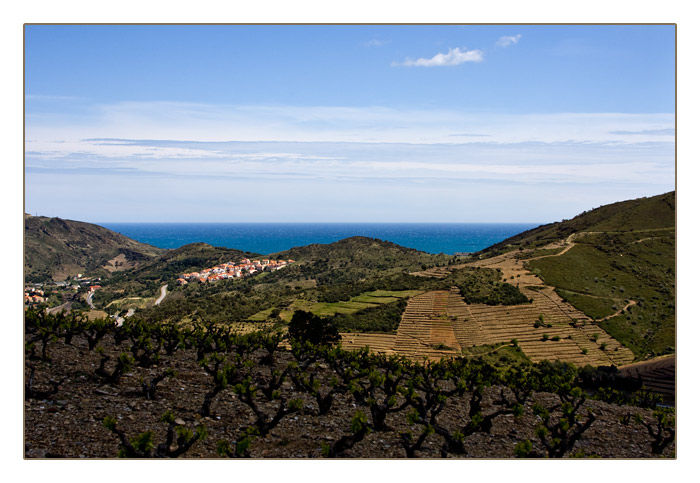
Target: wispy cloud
177	121
508	40
454	56
647	132
139	158
376	43
469	135
511	162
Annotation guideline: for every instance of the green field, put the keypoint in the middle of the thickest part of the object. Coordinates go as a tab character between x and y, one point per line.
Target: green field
594	306
363	301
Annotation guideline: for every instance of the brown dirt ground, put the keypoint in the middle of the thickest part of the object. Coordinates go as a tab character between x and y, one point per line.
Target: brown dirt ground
69	424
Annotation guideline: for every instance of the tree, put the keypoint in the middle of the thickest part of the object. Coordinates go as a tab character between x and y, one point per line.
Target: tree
307	327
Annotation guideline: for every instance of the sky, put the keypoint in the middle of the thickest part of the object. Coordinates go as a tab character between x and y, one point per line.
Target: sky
345	123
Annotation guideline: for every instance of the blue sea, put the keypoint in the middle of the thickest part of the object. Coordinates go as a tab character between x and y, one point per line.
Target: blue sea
266	238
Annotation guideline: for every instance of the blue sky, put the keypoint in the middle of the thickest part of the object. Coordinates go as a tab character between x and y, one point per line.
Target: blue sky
512	123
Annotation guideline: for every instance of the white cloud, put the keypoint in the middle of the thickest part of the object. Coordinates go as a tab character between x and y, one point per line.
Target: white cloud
454	56
507	40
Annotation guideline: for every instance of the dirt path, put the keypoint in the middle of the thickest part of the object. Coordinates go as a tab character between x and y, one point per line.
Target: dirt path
630	304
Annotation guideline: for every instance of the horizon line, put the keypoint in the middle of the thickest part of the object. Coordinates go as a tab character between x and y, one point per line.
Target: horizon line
326	222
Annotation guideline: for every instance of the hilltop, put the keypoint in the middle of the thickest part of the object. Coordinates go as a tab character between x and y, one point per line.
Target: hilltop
648	213
56	249
357	258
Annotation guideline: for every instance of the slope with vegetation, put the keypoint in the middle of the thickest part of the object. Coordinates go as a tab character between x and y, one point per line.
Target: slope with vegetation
647	214
616	264
55	249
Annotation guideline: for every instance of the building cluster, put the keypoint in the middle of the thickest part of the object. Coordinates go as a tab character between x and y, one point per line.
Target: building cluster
232	270
79	281
33	295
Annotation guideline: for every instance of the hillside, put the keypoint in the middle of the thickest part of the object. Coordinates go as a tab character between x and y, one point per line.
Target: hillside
356	258
616	264
56	249
651	213
192	257
362	251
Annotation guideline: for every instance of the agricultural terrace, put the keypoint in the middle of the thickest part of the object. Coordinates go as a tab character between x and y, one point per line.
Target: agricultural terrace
440	324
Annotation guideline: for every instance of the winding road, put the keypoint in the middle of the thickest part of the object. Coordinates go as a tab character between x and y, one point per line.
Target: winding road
89	300
163	293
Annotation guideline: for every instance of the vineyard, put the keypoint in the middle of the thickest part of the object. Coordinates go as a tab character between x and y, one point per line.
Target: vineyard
440	324
205	390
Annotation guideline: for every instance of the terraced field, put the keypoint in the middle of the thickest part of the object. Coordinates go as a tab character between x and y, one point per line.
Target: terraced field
378	343
425	329
658	375
565	333
440	324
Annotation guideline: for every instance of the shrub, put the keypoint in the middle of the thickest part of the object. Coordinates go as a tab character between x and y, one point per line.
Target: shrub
523	449
307	327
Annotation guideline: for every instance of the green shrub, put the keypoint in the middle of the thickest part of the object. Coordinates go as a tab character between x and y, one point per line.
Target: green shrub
307	327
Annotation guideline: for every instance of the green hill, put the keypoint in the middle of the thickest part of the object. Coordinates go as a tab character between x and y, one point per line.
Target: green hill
56	249
354	259
649	213
620	256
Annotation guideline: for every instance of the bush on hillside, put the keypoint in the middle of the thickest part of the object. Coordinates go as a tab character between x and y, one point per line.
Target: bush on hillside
307	327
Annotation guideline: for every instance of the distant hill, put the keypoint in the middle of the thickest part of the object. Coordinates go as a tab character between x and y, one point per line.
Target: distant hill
55	248
363	251
187	258
356	258
650	213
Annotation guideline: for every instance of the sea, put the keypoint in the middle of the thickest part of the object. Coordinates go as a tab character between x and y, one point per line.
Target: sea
267	238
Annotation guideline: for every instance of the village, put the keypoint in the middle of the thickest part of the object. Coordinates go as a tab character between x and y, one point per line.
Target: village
233	270
39	293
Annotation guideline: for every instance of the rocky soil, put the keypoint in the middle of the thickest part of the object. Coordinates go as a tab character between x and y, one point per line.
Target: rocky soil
69	423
